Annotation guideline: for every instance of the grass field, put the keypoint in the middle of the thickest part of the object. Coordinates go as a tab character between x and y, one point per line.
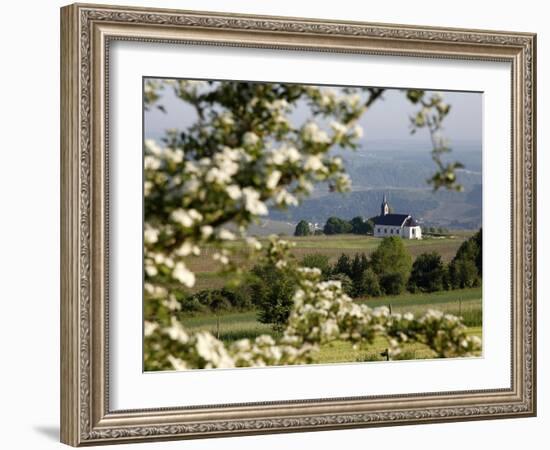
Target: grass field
464	302
332	246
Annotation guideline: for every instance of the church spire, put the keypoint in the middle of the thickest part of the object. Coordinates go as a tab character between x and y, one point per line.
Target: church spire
384	207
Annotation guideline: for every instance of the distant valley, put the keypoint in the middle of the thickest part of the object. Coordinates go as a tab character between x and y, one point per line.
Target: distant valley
400	170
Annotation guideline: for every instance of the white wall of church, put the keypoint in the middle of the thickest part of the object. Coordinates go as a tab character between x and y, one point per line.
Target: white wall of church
405	232
412	233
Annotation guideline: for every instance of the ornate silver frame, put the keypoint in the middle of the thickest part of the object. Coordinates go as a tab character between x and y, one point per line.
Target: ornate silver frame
86	31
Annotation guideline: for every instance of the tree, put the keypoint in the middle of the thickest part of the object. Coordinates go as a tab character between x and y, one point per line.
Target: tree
358	267
370	226
361	226
343	265
302	229
218	303
392	263
478	238
428	273
370	284
272	293
335	225
463	273
465	270
393	283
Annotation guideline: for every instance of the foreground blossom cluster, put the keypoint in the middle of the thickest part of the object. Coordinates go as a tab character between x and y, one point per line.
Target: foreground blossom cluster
322	314
204	187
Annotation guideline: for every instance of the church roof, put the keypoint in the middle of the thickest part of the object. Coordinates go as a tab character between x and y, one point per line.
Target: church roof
395	220
411	222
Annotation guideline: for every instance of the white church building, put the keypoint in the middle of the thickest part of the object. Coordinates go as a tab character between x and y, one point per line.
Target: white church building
389	224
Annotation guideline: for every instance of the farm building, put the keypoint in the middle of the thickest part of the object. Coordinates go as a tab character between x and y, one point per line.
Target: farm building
390	224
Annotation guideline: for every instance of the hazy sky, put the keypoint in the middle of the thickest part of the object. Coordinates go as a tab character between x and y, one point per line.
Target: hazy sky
387	119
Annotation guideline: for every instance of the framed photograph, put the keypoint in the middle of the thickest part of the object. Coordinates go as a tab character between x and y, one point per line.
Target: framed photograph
279	224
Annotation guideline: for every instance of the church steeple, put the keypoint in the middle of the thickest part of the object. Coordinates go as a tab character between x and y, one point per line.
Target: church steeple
384	207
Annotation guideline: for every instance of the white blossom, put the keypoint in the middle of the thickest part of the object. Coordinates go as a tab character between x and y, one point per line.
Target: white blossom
328	96
217	175
284	154
213	351
285	198
175	156
149	328
177	363
357	131
152	147
233	191
250	139
176	331
206	231
252	202
312	133
151	163
150	235
223	259
172	303
226	235
186	218
226	118
150	269
253	243
183	274
338	128
313	163
273	179
353	100
187	248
